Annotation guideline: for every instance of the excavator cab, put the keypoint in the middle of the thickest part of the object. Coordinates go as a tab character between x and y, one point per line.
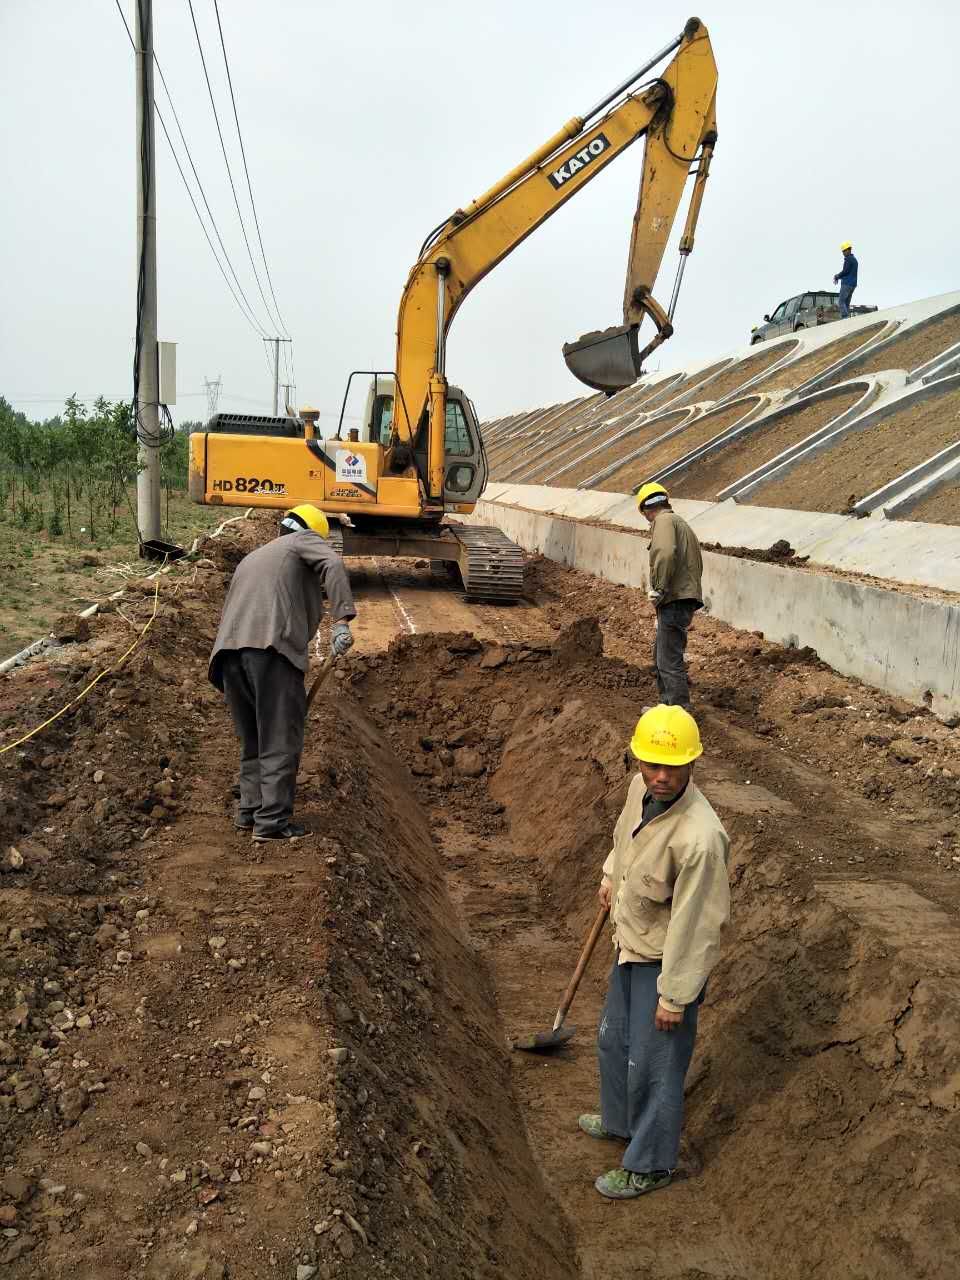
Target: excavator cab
465	465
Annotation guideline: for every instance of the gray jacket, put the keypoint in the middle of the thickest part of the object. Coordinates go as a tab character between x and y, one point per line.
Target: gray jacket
275	600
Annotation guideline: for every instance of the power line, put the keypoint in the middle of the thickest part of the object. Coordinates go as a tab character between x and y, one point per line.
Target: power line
243	153
226	160
246	310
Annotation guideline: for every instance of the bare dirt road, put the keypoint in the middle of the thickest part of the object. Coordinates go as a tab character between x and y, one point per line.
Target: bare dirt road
225	1062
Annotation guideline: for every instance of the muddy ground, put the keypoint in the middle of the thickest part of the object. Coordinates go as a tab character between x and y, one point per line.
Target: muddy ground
221	1061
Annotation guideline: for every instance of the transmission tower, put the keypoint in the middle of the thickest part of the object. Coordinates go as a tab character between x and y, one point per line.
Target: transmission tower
213	386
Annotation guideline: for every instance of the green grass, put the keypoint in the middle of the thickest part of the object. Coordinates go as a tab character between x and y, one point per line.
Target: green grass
43	577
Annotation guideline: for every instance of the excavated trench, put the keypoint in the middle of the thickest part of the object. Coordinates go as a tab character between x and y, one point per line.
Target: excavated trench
296	1058
822	1123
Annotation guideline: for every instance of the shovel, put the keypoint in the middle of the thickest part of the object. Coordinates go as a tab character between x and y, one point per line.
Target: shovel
544	1041
326	670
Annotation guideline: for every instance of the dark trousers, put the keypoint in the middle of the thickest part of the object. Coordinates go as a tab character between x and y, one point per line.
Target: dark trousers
846	293
642	1070
268	703
669	646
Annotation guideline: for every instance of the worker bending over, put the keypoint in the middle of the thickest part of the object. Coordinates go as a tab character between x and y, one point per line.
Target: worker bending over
846	277
260	656
676	570
665	884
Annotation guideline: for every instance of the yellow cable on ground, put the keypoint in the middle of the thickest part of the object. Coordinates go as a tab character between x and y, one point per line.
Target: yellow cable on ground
83	692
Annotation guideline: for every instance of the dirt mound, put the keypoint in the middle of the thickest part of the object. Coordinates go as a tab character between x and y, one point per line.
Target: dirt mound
780	552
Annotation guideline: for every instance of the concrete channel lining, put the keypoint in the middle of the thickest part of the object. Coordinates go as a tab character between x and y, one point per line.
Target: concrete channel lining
758	422
891	327
795	347
905	644
926	487
906	327
850	420
551	453
930	468
642	420
534	429
871	389
947	361
546	456
702	416
566	434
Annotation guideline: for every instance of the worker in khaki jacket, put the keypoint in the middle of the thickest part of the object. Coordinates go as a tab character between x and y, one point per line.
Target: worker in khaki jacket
261	654
666	887
676	571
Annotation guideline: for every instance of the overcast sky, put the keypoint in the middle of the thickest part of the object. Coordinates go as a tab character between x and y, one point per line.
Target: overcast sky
366	124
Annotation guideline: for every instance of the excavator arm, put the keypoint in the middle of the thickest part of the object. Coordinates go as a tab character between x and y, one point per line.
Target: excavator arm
676	112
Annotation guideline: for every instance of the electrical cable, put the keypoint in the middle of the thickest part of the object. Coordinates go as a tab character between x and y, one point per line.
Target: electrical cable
245	308
243	153
83	692
226	160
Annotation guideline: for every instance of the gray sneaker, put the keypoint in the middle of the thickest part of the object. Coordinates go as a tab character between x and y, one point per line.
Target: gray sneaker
621	1184
592	1126
292	831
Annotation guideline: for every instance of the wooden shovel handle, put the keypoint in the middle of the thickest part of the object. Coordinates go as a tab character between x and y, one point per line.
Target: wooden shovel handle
321	680
585	954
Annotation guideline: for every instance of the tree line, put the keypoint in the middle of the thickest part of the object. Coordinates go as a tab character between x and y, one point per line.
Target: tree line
72	474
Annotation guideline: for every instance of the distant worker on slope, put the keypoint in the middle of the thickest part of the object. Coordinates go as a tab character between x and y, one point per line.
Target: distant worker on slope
665	884
260	656
846	278
676	569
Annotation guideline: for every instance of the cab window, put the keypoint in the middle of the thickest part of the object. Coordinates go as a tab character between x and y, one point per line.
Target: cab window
383	419
456	440
793	306
779	313
807	302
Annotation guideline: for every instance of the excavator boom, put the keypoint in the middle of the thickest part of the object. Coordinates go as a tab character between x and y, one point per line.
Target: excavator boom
677	112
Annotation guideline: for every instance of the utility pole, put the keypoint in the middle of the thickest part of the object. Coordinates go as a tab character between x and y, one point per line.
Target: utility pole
287	388
147	392
275	343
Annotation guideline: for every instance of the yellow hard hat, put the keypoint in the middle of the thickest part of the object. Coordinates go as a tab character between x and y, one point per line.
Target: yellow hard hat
646	492
307	517
846	245
666	735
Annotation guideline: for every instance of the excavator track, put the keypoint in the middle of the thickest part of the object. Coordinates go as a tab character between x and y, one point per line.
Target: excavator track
490	564
335	538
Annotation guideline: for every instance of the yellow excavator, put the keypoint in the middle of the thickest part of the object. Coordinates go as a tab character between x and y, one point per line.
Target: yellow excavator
418	455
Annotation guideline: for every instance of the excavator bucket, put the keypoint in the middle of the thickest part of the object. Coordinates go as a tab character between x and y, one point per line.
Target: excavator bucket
607	359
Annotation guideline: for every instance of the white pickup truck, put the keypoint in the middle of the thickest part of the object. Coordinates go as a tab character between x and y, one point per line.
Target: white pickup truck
804	311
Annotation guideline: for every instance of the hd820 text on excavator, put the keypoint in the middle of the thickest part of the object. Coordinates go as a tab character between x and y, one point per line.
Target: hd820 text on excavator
419	455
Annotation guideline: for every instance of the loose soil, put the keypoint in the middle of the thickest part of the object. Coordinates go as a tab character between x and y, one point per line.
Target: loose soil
308	1043
914	347
863	461
650	429
800	371
942	507
706	478
661	455
736	374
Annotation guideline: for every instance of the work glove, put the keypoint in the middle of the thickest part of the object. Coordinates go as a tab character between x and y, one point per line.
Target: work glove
655	597
341	639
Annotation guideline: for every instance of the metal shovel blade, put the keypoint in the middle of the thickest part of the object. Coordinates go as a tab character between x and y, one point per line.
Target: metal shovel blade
606	359
543	1041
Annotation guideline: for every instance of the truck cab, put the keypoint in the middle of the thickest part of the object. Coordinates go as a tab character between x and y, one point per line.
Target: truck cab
802	311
